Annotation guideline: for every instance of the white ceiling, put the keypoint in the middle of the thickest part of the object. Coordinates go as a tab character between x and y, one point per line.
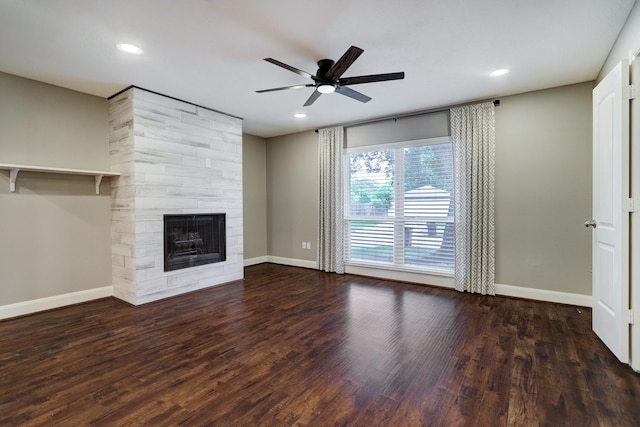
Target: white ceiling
210	52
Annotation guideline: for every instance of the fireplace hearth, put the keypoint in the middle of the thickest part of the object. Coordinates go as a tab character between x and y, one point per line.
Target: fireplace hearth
192	240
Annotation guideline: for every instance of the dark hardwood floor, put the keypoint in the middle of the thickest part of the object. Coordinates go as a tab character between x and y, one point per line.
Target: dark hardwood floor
290	346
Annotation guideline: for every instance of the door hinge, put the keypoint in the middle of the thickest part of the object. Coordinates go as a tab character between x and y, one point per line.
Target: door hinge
629	317
631	205
631	91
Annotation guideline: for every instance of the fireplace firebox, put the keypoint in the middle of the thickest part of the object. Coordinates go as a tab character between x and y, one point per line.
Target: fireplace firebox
195	239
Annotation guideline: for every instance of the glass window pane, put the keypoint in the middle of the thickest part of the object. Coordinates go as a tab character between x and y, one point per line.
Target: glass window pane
370	241
371	183
429	244
428	181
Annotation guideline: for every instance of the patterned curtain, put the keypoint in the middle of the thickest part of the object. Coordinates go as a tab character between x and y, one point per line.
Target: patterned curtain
473	136
331	215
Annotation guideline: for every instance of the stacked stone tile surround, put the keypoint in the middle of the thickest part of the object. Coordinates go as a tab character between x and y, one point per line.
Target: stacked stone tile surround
174	158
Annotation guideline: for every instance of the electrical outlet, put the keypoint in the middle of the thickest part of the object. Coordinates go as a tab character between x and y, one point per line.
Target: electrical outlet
304	245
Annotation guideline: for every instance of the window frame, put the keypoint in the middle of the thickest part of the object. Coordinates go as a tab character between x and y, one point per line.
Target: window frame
398	222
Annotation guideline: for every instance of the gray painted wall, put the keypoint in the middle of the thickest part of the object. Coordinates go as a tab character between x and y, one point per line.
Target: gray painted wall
292	201
54	228
543	189
254	195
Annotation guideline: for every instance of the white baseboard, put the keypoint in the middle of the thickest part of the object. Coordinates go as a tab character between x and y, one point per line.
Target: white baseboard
48	303
292	262
580	300
544	295
41	304
257	260
503	290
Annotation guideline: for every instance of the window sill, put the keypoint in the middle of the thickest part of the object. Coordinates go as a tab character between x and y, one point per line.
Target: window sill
406	274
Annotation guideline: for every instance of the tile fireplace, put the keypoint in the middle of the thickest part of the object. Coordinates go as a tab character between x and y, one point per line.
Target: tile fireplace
178	200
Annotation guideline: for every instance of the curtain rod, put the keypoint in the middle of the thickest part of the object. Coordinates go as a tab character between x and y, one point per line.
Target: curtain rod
496	102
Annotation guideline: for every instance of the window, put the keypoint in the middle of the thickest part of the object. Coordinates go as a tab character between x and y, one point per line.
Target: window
399	212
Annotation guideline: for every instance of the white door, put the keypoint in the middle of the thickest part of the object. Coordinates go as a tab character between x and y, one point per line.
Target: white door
634	219
610	215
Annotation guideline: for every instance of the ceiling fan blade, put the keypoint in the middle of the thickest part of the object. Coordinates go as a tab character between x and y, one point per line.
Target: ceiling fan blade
371	78
285	88
352	94
343	63
315	95
290	68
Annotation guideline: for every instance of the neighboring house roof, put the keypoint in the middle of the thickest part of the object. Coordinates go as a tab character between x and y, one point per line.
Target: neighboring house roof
425	201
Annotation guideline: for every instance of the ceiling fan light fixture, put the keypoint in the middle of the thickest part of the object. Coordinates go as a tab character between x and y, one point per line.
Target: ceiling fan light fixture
326	88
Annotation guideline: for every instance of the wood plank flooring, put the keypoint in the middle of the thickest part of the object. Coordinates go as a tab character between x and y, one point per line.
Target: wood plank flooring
290	346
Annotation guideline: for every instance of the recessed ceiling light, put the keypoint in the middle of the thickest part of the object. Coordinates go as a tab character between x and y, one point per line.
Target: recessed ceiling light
299	115
129	48
500	72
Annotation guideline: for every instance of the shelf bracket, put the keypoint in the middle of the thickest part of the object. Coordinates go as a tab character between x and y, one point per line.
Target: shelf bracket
13	176
98	181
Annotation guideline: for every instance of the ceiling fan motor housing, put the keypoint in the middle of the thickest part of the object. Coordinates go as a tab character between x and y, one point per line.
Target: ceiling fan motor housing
324	65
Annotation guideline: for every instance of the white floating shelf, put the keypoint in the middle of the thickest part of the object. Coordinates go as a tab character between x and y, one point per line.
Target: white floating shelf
14	169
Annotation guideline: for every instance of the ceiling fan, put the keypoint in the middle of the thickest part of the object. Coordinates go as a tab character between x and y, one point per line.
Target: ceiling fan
328	77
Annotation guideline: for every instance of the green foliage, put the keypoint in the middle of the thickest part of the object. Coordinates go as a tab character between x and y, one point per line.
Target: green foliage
372	162
361	189
374	186
424	166
368	191
383	196
372	172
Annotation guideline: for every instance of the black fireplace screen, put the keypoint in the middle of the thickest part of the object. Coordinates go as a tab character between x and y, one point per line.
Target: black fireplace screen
191	240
